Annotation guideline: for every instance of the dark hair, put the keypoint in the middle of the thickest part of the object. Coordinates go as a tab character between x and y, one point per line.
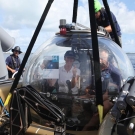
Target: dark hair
70	54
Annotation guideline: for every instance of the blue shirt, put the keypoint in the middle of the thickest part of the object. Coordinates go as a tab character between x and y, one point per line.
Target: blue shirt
111	74
11	64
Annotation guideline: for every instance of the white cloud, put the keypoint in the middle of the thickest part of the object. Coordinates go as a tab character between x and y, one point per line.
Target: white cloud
132	42
124	16
24	12
23	16
19	13
20	18
129	46
14	33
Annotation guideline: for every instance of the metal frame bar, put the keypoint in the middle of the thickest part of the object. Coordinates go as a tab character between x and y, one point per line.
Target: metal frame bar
74	18
97	72
33	99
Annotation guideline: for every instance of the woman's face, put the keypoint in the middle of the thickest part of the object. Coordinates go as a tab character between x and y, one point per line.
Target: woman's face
69	61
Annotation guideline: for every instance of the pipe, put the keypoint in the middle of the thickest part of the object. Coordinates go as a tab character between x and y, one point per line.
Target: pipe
3	68
7	42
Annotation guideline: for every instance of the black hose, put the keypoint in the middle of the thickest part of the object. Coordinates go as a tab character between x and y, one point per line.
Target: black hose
4	128
98	83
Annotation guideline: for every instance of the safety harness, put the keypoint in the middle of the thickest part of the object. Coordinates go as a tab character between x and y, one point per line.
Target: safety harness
14	63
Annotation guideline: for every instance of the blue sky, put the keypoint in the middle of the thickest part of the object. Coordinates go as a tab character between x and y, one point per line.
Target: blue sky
20	18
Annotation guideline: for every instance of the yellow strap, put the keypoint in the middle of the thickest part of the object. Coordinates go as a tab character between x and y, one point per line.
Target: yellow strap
7	99
100	111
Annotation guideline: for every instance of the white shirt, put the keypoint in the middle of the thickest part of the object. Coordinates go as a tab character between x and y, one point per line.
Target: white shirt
64	76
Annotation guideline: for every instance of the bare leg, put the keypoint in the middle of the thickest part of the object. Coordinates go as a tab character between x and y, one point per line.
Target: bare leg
94	121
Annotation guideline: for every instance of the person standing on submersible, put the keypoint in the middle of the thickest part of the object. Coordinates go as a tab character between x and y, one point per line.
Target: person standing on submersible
103	20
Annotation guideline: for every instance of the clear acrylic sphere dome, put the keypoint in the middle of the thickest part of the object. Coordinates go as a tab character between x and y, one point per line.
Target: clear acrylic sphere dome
42	64
62	70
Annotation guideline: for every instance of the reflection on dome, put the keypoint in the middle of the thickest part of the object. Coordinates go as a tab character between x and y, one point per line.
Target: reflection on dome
63	70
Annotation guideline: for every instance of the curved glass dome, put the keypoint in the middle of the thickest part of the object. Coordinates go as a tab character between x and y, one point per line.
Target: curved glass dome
63	71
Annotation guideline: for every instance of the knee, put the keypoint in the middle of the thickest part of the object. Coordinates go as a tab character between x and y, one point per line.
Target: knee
107	106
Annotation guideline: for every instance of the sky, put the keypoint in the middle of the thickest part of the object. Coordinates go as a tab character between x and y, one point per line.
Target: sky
19	19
